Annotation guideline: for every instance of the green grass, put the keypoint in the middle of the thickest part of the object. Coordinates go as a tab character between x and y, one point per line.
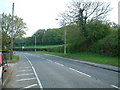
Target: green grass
41	46
96	58
14	60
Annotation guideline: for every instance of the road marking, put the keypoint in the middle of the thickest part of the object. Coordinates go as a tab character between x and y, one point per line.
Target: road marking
80	72
49	60
59	64
25	79
115	87
24	67
24	74
31	86
23	70
40	85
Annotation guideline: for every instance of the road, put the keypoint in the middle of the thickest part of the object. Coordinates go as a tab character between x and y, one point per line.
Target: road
46	71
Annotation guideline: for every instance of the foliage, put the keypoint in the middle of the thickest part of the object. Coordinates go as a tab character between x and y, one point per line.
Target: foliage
14	60
49	48
52	37
80	12
107	45
97	30
43	37
9	26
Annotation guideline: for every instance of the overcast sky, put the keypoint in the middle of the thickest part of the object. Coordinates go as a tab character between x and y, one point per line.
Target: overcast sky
41	14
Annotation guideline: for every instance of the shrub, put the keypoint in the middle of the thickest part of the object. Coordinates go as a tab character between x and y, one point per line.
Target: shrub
108	45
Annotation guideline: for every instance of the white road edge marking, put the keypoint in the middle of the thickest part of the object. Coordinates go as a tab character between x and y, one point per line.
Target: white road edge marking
31	86
115	87
80	72
59	64
25	79
40	85
24	74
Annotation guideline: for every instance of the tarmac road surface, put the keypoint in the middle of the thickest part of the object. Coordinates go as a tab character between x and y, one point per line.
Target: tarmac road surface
45	71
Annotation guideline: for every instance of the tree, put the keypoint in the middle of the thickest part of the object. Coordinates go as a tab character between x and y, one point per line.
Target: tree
97	30
6	26
53	37
81	11
39	35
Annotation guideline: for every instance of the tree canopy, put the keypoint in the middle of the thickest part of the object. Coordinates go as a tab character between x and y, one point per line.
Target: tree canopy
19	27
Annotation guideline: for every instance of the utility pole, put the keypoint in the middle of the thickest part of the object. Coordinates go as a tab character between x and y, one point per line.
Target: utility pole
35	43
11	54
65	34
65	41
119	12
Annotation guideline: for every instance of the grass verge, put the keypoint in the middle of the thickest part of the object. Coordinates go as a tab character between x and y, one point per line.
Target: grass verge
14	60
96	58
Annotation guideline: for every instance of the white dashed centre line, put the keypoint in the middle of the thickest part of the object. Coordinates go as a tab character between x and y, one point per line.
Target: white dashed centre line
49	60
80	72
59	64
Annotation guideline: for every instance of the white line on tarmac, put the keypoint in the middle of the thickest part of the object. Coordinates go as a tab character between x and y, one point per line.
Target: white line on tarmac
40	85
80	72
24	74
23	70
31	86
59	64
24	67
115	87
25	79
49	60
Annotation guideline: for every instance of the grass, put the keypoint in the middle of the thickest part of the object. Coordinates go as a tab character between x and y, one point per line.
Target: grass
15	59
41	46
96	58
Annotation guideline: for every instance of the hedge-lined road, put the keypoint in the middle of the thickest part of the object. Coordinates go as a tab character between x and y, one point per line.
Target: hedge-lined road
45	71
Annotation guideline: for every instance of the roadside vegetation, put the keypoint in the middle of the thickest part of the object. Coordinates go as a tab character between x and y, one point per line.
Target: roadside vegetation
14	60
89	35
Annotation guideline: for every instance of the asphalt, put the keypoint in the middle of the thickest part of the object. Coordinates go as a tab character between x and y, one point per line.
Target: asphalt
49	71
108	67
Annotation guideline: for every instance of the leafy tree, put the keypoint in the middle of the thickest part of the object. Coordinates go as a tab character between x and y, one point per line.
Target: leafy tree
81	11
97	30
108	45
19	28
52	36
39	35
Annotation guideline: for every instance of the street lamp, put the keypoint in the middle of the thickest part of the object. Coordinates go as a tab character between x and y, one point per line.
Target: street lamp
65	34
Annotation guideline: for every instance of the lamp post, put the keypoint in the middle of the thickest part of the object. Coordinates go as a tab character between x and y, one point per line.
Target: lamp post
65	34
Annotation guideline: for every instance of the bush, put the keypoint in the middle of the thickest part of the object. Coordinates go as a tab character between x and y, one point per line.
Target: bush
108	45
